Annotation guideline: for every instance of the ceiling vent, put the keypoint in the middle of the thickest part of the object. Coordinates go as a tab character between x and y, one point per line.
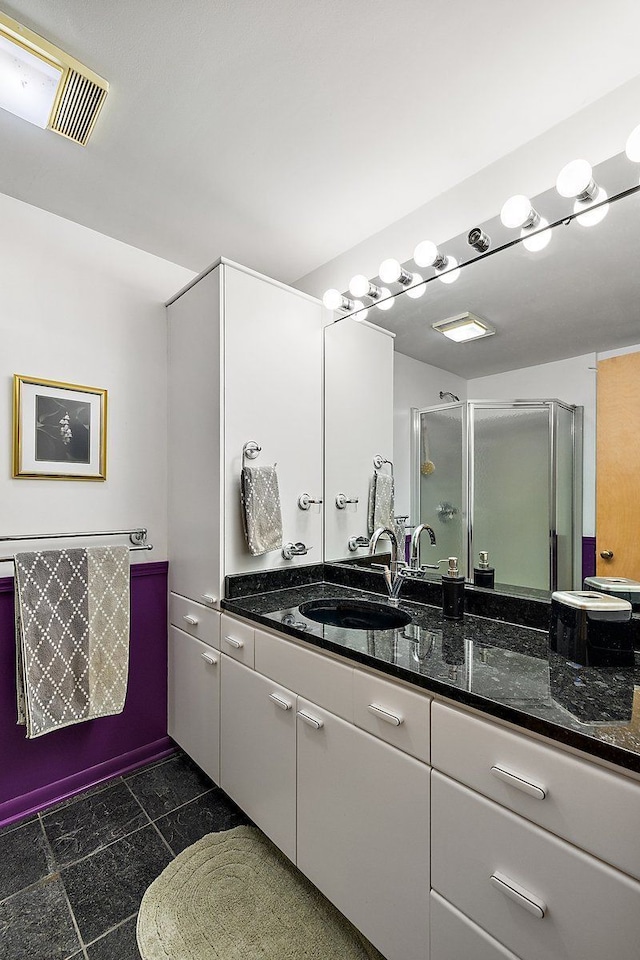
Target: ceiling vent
47	87
464	327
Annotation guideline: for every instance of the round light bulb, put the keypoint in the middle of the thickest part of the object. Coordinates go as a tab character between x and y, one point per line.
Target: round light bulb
359	285
516	211
632	148
538	239
417	287
332	299
591	217
386	301
426	253
452	273
360	312
574	178
390	271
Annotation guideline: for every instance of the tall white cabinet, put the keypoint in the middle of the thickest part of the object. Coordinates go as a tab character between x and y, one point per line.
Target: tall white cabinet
245	364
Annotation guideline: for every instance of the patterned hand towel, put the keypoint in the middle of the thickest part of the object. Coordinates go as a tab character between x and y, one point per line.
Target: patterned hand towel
261	515
72	636
381	502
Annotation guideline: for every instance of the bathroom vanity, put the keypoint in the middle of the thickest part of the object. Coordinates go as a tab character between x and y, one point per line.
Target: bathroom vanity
430	780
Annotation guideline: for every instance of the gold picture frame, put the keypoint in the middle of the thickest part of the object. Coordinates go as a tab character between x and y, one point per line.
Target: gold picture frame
59	430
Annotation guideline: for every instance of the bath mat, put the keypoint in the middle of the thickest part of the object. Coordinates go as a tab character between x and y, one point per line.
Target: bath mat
234	896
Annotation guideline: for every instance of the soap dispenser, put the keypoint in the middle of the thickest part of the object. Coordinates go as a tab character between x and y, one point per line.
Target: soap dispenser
452	591
483	574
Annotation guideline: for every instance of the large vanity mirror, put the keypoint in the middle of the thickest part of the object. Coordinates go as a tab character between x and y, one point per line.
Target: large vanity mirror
517	443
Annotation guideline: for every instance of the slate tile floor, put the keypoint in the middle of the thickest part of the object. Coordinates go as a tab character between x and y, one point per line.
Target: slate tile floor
71	879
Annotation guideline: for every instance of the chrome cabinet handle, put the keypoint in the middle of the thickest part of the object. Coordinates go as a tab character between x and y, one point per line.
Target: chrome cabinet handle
532	904
354	543
212	661
385	715
606	554
531	789
305	501
208	598
237	644
291	550
311	721
192	621
342	500
280	701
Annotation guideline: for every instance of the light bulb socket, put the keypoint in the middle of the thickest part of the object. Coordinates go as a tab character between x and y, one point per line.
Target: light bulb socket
479	240
405	278
441	262
590	192
374	292
532	221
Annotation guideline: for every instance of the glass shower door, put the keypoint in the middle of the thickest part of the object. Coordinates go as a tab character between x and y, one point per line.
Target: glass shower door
442	497
510	491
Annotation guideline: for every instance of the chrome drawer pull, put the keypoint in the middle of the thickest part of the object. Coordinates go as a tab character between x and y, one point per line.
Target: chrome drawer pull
237	644
531	789
534	906
212	661
208	598
192	621
279	701
385	715
312	721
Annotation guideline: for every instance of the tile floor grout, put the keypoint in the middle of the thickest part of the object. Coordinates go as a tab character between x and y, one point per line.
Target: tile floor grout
101	888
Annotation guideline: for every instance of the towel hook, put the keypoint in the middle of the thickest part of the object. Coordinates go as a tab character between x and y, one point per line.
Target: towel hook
250	451
379	462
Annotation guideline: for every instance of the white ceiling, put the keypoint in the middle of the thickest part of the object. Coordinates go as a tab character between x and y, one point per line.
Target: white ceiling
281	134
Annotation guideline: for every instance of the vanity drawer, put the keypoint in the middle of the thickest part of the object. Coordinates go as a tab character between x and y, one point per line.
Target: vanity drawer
237	640
392	713
455	937
593	808
536	894
196	619
313	676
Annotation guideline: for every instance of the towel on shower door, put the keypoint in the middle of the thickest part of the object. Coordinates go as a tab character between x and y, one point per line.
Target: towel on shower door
261	515
72	636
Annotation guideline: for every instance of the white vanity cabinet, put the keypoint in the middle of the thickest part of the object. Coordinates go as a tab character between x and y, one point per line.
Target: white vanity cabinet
245	364
194	699
363	830
258	751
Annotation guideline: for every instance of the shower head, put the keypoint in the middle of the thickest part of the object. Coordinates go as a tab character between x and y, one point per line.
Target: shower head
449	397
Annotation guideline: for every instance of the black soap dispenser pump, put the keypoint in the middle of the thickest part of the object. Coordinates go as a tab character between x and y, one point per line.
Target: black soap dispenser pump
483	574
452	591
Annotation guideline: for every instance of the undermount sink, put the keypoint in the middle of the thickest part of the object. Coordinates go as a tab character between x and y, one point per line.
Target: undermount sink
355	614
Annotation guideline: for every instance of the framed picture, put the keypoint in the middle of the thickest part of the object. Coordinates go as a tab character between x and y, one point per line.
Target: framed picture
59	430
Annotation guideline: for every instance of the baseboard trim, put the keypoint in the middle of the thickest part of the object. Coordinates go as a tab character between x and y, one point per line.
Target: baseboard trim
44	797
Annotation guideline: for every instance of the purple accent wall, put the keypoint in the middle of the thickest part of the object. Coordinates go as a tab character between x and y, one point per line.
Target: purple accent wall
588	557
36	773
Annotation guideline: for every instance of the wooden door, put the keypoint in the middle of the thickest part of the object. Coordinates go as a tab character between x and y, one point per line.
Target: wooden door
618	467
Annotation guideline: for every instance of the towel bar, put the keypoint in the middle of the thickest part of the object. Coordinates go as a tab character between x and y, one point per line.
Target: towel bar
379	462
137	537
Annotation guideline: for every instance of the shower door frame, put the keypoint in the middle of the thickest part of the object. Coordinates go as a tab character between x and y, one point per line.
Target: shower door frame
468	473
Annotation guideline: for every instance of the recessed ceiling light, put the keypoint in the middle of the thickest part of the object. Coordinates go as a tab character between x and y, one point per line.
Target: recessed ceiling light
463	327
45	86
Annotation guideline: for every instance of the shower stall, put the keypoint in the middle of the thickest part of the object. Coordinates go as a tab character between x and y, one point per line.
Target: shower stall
503	476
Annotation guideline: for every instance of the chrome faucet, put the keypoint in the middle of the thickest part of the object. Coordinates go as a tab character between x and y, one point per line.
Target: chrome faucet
415	548
394	576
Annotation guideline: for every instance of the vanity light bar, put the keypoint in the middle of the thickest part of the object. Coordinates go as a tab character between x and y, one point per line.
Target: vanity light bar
575	181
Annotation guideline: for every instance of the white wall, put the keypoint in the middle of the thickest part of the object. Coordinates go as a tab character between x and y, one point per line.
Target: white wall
82	308
415	384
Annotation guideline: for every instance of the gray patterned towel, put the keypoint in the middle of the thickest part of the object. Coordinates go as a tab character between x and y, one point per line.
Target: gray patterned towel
381	502
261	513
72	636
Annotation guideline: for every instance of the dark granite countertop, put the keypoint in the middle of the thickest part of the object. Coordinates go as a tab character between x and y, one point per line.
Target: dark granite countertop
500	668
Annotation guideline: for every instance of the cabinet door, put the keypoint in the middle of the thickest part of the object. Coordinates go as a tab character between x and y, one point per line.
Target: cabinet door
258	751
194	699
195	432
363	830
273	395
